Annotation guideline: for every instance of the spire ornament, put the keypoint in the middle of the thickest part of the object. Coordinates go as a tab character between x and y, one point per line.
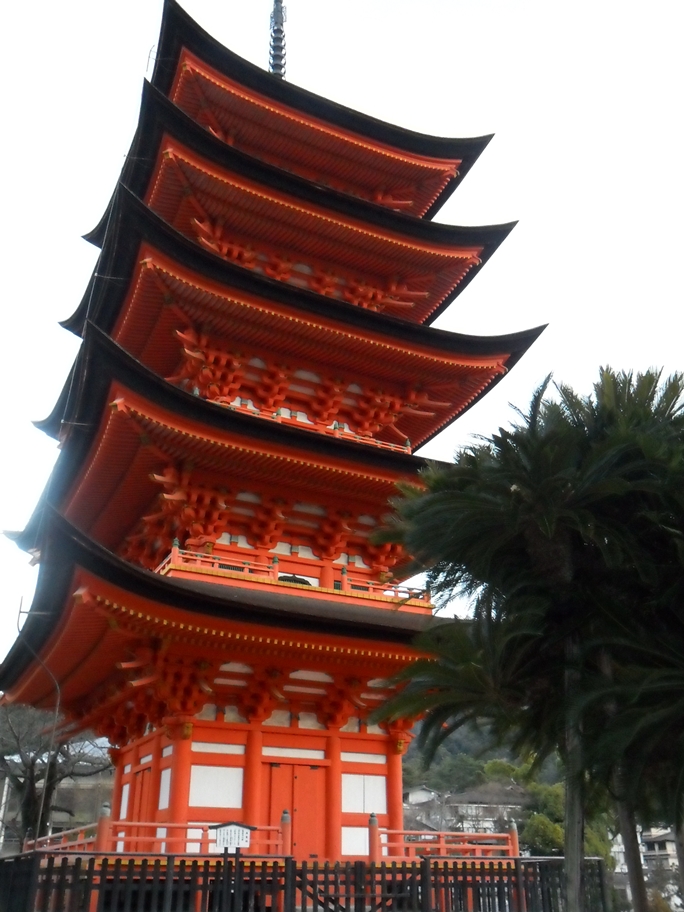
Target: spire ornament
276	57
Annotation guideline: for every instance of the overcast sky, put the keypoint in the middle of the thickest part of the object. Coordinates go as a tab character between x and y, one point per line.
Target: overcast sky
585	99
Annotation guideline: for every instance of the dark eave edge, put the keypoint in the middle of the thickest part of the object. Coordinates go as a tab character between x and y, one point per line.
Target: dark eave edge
68	547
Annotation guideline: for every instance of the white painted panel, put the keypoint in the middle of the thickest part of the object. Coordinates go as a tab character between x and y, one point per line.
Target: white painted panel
127	768
299	753
363	794
305	675
375	730
194	833
238	667
167	751
146	759
355	757
305	689
375	795
352	793
161	833
124	800
211	747
279	717
232	714
352	725
207	713
309	720
354	840
216	786
164	789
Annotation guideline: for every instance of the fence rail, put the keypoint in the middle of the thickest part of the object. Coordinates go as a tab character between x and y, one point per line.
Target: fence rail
232	566
41	882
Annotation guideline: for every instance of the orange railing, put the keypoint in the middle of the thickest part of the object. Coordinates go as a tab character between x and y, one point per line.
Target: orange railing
128	837
230	566
333	431
385	844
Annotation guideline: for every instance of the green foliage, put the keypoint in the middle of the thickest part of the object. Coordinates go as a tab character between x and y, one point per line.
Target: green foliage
448	773
499	770
548	800
566	533
542	836
597	842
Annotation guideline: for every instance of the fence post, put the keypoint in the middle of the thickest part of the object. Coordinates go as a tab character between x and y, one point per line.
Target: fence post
290	884
514	843
359	886
104	829
286	830
374	850
520	885
426	885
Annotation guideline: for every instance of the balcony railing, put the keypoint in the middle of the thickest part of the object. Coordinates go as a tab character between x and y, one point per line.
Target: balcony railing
334	430
228	566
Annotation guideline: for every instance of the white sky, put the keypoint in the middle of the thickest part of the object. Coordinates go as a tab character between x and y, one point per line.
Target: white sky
585	99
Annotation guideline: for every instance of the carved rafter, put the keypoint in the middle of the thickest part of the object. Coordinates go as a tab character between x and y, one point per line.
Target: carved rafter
220	120
366	292
234	378
144	690
198	514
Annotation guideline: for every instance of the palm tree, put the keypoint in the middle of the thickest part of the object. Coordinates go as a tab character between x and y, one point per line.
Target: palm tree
532	525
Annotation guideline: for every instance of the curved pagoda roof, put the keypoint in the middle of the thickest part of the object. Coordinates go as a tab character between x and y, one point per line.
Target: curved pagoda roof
171	287
91	609
299	131
274	222
125	421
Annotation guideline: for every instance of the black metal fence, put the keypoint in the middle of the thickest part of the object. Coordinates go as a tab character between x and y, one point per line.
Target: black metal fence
69	883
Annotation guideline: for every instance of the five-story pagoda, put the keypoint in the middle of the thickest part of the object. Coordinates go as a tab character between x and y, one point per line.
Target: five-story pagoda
256	371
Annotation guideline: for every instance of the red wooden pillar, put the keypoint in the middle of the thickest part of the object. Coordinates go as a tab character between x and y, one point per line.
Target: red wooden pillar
333	818
115	757
327	579
252	805
395	803
180	732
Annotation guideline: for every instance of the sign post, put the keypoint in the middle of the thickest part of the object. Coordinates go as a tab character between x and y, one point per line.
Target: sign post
231	837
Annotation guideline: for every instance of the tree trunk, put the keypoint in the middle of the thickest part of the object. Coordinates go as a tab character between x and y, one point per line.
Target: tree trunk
679	842
630	840
627	821
574	790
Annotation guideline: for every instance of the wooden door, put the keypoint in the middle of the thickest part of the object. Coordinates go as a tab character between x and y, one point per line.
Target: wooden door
142	810
300	789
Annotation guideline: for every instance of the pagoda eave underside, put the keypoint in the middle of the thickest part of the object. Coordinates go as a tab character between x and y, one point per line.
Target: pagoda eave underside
311	134
133	224
93	610
246	327
311	245
136	442
235	302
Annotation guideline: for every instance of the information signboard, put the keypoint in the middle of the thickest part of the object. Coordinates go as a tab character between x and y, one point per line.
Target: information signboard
232	836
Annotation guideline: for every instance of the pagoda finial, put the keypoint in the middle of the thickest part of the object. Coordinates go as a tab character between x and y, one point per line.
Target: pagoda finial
277	49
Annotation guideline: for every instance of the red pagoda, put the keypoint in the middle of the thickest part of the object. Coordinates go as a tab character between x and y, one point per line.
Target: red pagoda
257	368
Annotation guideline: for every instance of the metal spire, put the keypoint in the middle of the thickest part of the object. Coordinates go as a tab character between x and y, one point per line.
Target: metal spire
277	50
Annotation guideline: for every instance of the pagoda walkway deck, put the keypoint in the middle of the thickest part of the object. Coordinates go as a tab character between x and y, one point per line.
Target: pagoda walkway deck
41	882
